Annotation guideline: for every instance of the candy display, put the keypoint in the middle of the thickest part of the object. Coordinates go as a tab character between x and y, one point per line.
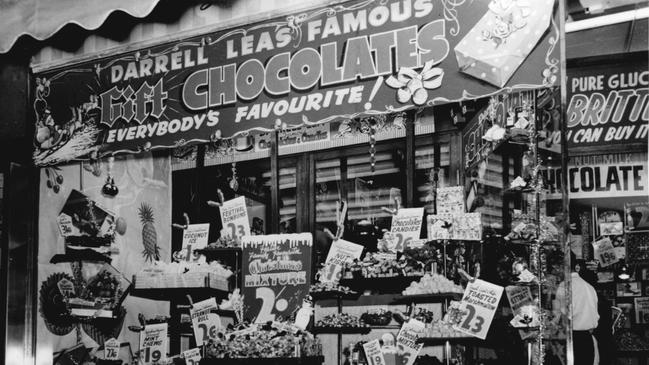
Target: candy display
183	274
341	320
270	340
375	266
432	284
440	329
629	341
381	317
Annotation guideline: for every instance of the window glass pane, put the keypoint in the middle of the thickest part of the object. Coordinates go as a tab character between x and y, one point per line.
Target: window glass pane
368	192
427	178
287	200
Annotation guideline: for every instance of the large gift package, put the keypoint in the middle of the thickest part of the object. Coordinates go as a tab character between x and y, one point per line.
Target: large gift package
497	45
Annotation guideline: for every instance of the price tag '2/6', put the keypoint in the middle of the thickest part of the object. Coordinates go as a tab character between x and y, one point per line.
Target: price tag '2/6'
205	323
478	307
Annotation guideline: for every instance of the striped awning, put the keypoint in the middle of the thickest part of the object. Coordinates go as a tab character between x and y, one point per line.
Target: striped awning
42	18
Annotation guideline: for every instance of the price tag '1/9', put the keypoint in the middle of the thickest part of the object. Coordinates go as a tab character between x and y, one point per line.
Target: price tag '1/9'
111	349
373	353
153	344
205	323
478	306
192	356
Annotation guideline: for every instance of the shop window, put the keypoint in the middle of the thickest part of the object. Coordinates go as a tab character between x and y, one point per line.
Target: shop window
432	170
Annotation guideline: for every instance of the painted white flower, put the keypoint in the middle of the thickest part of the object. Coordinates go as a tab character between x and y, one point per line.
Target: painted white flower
415	86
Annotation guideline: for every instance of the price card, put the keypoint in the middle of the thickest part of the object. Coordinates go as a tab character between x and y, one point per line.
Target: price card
518	296
406	226
373	353
340	252
450	200
192	356
234	217
407	341
111	349
66	287
276	274
153	344
205	323
478	307
195	238
605	252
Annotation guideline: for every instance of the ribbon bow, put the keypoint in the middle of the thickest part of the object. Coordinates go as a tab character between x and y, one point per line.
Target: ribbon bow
415	86
510	17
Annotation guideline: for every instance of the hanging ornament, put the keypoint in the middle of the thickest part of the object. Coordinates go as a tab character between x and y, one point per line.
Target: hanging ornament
234	183
372	132
109	188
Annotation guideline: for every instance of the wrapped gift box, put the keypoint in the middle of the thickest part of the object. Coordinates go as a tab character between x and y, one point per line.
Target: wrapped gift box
501	40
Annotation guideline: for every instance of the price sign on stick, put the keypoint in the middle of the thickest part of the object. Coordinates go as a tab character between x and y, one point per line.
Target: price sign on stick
406	226
276	274
373	353
605	252
192	356
340	252
478	307
407	341
111	349
234	217
195	238
153	344
205	323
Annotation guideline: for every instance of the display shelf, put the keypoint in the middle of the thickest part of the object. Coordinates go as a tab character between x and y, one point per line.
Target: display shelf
80	255
341	330
531	243
394	283
179	293
218	251
310	360
326	295
435	341
523	283
221	312
427	298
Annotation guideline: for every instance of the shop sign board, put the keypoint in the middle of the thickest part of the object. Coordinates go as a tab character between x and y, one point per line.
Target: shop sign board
205	323
153	344
234	218
602	176
358	58
478	306
276	275
294	136
608	104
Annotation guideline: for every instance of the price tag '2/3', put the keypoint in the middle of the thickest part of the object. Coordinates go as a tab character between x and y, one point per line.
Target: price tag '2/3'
205	323
478	307
153	344
234	217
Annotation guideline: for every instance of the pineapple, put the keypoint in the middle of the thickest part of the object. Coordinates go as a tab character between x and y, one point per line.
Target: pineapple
151	250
